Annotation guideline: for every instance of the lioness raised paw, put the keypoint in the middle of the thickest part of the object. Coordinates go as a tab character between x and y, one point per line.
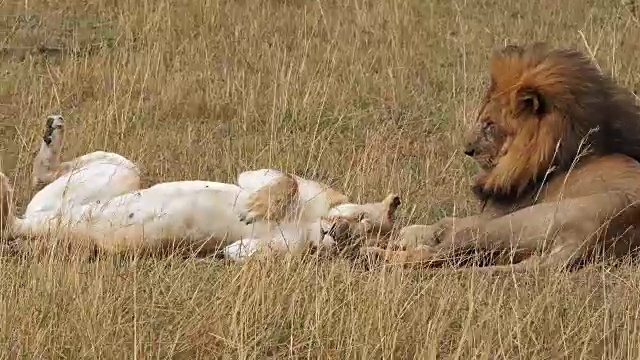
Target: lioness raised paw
54	122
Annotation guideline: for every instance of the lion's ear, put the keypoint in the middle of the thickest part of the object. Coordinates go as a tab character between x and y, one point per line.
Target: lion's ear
530	101
509	50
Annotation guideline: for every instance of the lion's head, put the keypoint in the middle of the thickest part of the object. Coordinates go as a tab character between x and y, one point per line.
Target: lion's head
542	108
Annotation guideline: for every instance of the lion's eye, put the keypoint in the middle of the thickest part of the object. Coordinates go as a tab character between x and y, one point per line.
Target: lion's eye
488	127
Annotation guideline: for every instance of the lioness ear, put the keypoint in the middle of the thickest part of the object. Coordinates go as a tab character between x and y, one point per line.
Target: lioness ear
392	201
530	100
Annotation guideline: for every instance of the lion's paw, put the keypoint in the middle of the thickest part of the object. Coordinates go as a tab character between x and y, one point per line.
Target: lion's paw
413	236
392	257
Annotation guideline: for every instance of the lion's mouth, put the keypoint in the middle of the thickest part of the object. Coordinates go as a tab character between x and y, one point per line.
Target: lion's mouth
485	163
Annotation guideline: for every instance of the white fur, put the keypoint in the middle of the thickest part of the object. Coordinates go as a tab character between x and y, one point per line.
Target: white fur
297	236
96	177
201	213
99	199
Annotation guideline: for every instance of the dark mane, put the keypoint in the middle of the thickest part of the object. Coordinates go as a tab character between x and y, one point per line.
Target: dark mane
578	109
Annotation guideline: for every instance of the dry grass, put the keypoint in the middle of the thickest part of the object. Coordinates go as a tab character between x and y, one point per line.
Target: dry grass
369	96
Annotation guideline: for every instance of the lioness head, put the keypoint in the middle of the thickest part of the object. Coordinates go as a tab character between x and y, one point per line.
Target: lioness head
349	226
539	106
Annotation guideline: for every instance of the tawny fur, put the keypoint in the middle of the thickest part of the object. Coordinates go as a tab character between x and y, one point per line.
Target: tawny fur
558	144
276	201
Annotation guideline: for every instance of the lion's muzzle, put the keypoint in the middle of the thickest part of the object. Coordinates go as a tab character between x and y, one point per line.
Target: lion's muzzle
469	150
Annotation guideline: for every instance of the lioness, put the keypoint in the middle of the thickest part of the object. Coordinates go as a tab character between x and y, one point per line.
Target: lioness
558	145
96	198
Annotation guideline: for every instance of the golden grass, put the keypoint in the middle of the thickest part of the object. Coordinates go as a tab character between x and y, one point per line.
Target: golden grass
369	96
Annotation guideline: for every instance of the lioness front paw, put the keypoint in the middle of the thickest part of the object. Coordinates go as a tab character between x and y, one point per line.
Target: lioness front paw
272	202
261	210
249	217
256	209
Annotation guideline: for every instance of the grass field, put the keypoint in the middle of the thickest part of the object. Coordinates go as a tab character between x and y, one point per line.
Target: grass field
369	96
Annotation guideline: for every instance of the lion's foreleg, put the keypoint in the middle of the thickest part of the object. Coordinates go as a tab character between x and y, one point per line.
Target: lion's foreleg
415	244
414	257
525	265
412	236
562	232
560	258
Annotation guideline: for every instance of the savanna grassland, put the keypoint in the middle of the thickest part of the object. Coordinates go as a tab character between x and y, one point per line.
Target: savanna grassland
369	96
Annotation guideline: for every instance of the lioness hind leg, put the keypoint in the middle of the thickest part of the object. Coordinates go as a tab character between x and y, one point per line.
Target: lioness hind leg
46	166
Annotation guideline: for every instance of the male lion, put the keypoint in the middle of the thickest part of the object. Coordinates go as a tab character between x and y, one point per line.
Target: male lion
558	144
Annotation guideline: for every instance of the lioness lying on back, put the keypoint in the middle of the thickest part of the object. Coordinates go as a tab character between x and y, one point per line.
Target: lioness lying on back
96	198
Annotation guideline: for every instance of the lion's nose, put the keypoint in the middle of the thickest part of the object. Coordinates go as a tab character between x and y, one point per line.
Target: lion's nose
469	151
